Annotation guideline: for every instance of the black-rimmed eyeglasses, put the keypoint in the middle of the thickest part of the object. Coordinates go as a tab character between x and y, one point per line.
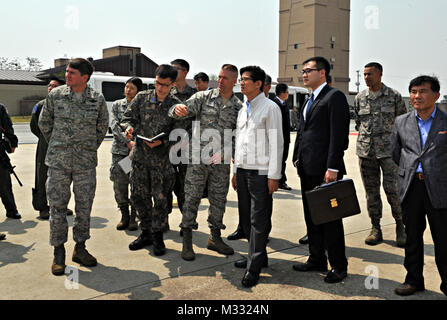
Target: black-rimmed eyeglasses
307	71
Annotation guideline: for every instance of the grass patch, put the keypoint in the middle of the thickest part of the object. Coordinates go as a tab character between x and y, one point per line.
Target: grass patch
21	119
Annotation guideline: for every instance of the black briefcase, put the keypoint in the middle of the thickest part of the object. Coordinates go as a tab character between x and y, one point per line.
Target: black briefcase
332	201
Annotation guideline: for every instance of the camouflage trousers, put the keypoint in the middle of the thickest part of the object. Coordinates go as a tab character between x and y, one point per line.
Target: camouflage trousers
58	193
149	184
218	179
370	172
120	182
179	186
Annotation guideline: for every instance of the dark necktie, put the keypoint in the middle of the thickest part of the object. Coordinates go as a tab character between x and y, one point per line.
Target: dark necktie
311	100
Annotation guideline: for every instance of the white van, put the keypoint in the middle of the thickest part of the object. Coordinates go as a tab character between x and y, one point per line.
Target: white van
112	87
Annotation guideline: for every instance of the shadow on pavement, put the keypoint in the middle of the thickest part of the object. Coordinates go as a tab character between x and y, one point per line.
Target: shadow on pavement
18	226
11	253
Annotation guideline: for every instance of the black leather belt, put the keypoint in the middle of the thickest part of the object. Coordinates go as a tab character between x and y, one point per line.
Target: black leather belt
419	176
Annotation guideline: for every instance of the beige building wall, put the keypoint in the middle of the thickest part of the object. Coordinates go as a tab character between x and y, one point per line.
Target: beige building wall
310	28
20	99
123	51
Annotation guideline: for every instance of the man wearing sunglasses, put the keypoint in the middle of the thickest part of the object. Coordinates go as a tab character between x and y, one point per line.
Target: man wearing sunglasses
152	175
322	138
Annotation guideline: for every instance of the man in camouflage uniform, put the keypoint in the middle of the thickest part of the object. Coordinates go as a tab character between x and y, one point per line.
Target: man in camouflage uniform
120	150
183	92
375	111
215	110
40	201
74	121
152	175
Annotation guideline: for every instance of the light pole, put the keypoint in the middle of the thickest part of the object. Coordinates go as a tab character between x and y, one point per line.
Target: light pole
358	81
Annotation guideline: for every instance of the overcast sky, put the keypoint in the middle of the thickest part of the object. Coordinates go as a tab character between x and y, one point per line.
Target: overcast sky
403	35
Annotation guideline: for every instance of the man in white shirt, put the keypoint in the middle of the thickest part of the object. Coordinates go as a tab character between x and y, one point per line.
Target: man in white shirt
257	168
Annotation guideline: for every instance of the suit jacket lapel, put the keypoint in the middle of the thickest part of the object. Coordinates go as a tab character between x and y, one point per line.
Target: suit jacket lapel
417	134
433	130
317	101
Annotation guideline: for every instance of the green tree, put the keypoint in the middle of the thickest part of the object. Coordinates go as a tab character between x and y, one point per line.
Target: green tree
33	64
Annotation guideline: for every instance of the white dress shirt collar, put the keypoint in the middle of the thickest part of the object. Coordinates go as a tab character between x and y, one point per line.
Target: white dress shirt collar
279	99
318	90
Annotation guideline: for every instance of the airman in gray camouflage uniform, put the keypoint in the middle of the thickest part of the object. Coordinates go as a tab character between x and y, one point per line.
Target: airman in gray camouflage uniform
74	122
214	109
375	111
152	175
120	150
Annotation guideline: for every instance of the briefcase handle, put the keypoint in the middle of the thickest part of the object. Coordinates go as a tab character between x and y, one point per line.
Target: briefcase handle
324	184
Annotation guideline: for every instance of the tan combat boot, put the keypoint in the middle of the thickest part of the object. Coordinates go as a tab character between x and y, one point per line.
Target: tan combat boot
216	243
375	237
124	223
82	256
133	225
187	251
401	236
58	266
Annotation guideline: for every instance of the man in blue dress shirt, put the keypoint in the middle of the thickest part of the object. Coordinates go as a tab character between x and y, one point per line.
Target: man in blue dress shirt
420	149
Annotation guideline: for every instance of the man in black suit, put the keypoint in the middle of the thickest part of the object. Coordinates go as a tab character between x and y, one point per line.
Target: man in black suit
282	94
322	138
420	150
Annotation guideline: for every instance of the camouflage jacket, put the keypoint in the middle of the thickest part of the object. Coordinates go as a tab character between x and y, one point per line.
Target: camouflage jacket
148	117
183	96
208	108
119	145
73	129
374	120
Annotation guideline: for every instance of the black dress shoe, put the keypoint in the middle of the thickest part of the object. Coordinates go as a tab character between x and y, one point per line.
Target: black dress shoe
242	264
335	276
304	240
238	234
304	267
2	236
13	215
69	212
284	186
406	289
250	279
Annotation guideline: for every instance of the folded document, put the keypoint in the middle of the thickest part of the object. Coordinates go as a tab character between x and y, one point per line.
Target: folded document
126	164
